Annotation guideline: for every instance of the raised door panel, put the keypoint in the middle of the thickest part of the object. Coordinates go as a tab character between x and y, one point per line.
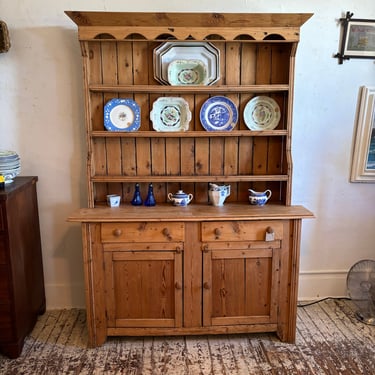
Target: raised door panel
143	288
240	286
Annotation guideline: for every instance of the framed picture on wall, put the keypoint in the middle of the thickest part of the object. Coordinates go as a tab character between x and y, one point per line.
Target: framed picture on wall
358	38
363	162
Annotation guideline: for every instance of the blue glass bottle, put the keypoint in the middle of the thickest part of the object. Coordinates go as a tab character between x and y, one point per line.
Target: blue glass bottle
137	199
150	200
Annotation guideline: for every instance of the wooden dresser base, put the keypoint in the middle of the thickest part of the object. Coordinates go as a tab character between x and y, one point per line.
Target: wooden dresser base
190	274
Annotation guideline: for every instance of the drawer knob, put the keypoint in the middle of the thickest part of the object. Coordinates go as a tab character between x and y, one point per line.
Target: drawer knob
270	234
166	233
206	285
178	250
117	232
217	232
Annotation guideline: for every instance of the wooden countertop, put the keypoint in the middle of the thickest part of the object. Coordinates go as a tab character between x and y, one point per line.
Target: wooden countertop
193	212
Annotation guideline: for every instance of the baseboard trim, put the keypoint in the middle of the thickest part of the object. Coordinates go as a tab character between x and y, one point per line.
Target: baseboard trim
315	284
65	296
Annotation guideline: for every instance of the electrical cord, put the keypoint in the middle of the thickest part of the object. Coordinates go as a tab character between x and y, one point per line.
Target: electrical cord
321	300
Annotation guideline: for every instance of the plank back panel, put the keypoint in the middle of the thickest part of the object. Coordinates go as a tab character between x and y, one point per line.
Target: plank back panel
129	62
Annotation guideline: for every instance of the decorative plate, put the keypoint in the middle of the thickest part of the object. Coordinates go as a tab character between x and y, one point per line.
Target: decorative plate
9	164
122	115
218	113
7	155
170	114
170	51
187	72
261	113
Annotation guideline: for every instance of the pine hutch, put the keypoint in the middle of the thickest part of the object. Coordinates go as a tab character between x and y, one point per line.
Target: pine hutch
199	269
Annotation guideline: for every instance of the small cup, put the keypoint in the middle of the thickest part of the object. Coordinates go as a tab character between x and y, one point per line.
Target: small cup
113	200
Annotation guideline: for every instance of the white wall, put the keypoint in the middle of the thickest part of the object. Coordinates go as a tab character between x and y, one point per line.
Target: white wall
41	108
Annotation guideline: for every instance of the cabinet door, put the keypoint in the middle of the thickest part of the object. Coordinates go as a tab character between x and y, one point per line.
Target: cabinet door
143	288
240	285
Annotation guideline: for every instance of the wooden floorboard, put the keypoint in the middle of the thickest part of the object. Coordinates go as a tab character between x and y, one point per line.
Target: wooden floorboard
329	340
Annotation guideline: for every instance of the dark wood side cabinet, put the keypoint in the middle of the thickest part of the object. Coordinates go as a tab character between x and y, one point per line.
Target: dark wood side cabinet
22	295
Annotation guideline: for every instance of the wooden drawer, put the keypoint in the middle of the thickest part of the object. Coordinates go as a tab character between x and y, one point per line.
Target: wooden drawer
241	230
142	232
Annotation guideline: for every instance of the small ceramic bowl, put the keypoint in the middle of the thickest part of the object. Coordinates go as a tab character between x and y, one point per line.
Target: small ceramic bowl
187	72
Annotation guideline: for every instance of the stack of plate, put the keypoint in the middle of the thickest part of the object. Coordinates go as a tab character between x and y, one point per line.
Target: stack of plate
202	59
10	166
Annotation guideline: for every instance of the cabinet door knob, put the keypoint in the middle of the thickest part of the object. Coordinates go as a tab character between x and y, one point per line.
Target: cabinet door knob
206	285
117	232
177	285
178	250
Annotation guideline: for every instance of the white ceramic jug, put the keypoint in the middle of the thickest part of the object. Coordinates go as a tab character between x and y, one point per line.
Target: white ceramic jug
218	193
259	198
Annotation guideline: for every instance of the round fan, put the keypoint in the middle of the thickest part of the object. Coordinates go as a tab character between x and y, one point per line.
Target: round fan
361	289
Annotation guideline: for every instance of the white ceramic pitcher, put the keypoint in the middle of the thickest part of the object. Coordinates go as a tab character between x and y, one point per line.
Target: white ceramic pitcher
218	193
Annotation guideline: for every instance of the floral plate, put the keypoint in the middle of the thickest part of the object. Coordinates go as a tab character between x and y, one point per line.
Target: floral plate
122	115
261	113
187	72
170	114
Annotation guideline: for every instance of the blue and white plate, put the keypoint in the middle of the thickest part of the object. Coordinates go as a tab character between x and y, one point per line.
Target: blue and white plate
219	113
122	115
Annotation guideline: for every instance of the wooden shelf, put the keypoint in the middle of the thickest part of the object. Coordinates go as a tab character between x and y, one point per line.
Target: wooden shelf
193	211
188	134
192	179
165	89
